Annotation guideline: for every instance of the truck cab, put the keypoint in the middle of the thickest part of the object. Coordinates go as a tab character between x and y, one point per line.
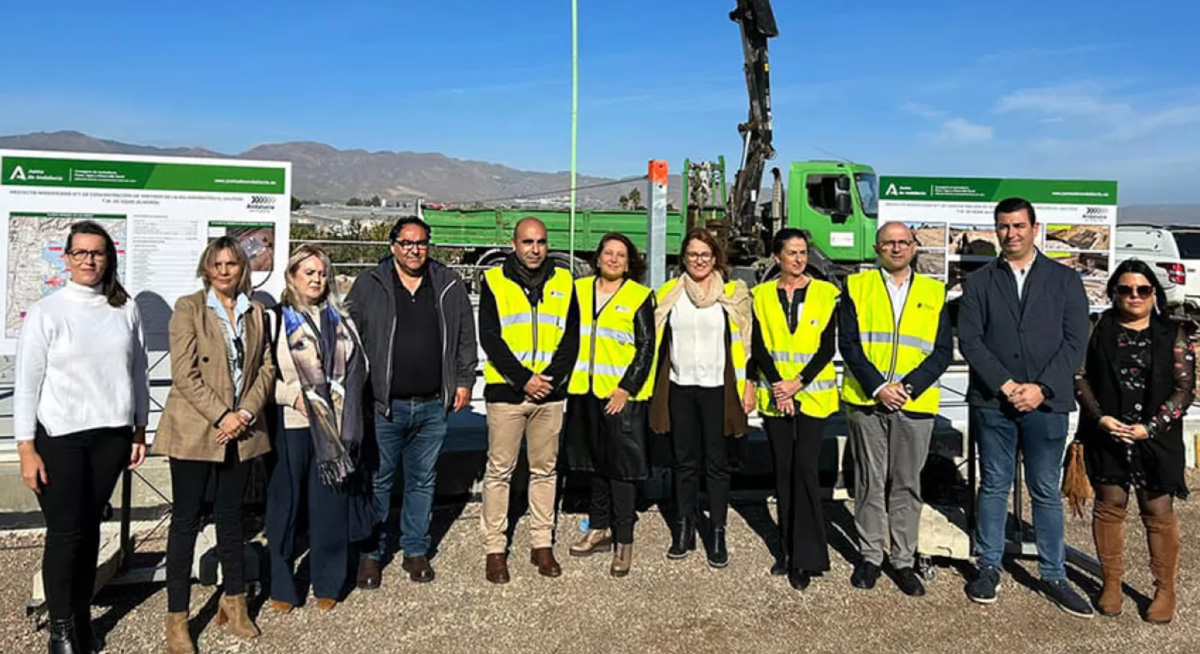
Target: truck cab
838	203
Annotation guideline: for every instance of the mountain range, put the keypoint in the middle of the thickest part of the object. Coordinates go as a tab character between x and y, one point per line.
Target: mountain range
327	174
324	173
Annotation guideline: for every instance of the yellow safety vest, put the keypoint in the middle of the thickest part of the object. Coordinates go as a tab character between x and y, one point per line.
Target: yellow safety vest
606	344
895	350
792	351
737	348
532	333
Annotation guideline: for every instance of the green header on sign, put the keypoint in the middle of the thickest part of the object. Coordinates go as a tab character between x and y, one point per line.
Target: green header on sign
976	189
141	175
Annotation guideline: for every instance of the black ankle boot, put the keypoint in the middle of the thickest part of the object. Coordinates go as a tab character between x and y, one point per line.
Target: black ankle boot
718	556
62	637
683	540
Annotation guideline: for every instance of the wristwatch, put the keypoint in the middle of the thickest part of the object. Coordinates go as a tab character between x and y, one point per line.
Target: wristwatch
908	388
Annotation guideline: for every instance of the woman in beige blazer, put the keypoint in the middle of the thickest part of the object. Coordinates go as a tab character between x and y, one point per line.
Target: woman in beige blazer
213	426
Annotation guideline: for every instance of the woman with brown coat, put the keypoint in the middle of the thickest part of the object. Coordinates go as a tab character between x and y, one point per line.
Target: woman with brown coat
701	394
213	426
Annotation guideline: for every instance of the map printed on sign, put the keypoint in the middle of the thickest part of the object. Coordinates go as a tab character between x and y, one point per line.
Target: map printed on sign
954	224
160	211
45	235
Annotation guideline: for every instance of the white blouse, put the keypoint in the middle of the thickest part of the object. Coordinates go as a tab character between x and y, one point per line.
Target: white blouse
697	344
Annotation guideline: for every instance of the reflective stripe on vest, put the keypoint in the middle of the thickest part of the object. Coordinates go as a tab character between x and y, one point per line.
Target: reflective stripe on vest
532	342
792	351
895	350
607	346
737	348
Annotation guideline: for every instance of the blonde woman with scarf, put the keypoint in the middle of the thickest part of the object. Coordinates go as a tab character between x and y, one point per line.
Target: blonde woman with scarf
701	395
320	391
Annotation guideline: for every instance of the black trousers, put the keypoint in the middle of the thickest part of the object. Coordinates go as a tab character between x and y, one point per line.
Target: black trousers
614	505
698	431
795	449
189	481
83	468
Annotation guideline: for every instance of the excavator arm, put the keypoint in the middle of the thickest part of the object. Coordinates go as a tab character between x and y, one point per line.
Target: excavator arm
757	22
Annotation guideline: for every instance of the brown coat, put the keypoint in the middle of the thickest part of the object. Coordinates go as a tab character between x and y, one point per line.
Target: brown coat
202	387
736	423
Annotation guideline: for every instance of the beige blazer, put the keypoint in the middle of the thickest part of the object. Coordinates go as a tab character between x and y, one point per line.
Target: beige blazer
202	386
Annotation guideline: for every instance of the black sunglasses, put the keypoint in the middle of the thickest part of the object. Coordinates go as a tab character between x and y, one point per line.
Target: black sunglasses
1143	291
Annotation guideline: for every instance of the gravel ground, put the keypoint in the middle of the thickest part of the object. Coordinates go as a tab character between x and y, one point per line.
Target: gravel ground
661	607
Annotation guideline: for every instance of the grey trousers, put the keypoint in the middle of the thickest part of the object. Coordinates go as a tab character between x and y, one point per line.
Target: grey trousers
889	452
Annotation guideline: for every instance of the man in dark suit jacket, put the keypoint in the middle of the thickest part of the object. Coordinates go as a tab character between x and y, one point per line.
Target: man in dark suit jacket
1023	328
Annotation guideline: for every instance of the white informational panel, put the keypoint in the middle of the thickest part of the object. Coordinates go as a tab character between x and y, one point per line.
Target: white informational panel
160	211
954	223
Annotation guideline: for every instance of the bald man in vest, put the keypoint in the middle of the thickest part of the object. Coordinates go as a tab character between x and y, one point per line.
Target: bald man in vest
529	330
895	341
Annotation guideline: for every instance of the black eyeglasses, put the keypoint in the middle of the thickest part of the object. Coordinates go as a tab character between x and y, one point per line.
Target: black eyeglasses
412	245
1143	291
83	255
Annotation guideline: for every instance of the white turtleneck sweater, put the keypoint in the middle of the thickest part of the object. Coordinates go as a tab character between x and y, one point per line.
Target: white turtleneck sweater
81	364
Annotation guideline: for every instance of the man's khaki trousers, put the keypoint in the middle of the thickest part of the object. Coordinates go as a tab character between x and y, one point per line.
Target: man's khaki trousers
507	425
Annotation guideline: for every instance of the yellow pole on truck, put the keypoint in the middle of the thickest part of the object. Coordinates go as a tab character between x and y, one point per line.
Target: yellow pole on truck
574	117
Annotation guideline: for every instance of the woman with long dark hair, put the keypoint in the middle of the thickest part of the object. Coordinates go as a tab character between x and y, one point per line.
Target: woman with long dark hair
609	393
320	390
213	426
79	417
701	395
1136	383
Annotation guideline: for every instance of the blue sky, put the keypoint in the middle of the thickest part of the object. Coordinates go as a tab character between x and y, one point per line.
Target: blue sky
1097	90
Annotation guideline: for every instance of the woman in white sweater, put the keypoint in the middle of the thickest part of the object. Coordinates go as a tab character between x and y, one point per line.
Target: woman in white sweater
79	416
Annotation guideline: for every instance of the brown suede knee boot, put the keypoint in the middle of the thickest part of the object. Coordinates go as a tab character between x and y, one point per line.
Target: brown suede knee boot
1162	535
1108	530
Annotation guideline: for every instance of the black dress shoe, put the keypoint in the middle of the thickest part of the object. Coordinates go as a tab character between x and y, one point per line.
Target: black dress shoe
799	579
779	567
865	575
418	568
718	556
909	583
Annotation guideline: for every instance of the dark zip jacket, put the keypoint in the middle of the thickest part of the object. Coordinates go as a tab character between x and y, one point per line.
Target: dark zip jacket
372	302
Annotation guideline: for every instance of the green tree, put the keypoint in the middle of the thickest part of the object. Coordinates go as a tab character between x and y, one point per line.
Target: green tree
624	202
635	198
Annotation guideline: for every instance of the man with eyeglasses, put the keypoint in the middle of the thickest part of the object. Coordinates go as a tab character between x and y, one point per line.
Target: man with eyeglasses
418	330
1023	327
895	340
529	330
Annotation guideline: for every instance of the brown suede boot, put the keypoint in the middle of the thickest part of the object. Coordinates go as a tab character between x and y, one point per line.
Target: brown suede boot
1162	534
1108	530
179	641
232	609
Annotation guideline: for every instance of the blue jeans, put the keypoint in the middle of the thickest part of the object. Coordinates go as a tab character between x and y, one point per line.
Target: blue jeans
414	438
1042	438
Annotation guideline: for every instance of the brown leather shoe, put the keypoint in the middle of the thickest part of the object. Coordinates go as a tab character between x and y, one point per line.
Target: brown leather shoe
326	604
370	575
622	560
543	558
280	606
231	610
418	569
179	639
497	568
595	540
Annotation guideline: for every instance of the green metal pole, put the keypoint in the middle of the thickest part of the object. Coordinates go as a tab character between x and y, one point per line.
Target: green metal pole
574	115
